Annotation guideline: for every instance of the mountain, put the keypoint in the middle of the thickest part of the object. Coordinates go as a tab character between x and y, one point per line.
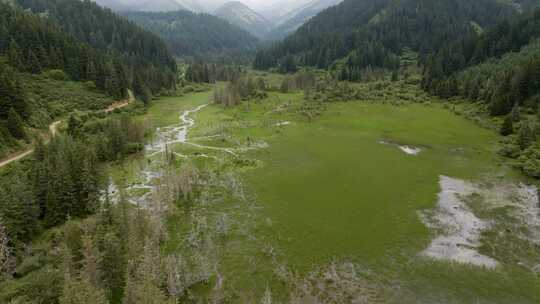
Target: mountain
279	10
142	5
160	6
189	34
198	6
240	14
195	5
367	33
291	21
115	5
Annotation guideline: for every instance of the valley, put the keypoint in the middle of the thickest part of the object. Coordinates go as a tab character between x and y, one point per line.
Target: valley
334	207
294	152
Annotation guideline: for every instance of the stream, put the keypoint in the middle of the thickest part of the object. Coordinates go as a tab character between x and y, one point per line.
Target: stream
164	137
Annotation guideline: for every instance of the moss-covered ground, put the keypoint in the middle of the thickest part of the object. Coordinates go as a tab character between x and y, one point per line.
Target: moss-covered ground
338	187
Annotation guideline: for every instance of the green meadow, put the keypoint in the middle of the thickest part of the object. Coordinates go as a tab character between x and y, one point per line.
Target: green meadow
340	188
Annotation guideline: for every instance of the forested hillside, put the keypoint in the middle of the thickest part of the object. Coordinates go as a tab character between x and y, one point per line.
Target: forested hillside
373	33
241	15
189	34
78	52
30	44
485	83
293	20
499	71
33	44
145	58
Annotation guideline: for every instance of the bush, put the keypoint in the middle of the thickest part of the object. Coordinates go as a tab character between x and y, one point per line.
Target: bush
188	89
90	85
529	161
56	75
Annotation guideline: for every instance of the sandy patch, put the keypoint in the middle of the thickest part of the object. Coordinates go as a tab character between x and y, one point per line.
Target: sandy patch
459	229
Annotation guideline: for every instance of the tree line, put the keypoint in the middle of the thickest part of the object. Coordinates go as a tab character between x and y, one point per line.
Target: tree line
32	44
192	34
63	179
140	58
200	72
512	80
373	33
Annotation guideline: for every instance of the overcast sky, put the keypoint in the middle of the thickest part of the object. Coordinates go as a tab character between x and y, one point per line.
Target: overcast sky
258	4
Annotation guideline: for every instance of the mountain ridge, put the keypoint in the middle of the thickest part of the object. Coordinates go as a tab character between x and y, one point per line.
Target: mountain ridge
243	16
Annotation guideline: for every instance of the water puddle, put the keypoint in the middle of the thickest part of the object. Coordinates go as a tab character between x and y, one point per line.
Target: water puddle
408	149
460	230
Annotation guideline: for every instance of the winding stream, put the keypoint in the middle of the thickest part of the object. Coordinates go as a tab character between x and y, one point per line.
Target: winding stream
164	137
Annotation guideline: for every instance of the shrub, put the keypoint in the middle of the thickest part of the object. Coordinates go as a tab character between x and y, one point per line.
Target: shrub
56	75
90	85
530	162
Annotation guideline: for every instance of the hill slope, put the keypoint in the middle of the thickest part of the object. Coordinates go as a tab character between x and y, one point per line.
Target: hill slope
500	67
373	33
42	71
148	62
188	33
141	5
291	21
160	6
241	15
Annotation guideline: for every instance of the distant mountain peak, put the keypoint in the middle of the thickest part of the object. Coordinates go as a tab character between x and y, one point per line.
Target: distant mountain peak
242	15
142	5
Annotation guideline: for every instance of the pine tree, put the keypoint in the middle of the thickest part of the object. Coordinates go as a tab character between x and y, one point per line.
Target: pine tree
395	76
74	125
507	127
32	63
15	125
141	90
80	291
285	85
112	263
89	184
12	94
15	56
515	114
525	136
18	211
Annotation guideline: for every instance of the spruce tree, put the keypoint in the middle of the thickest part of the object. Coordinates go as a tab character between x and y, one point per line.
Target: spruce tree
395	76
525	136
80	291
32	63
15	55
507	127
515	114
15	125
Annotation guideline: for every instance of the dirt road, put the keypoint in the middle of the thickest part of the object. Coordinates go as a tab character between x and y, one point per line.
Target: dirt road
53	129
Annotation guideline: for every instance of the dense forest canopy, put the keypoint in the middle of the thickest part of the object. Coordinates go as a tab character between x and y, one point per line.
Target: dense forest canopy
33	44
190	34
500	67
146	58
373	33
58	56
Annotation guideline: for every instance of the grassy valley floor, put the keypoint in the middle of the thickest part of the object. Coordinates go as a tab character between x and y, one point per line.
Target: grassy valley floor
335	195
